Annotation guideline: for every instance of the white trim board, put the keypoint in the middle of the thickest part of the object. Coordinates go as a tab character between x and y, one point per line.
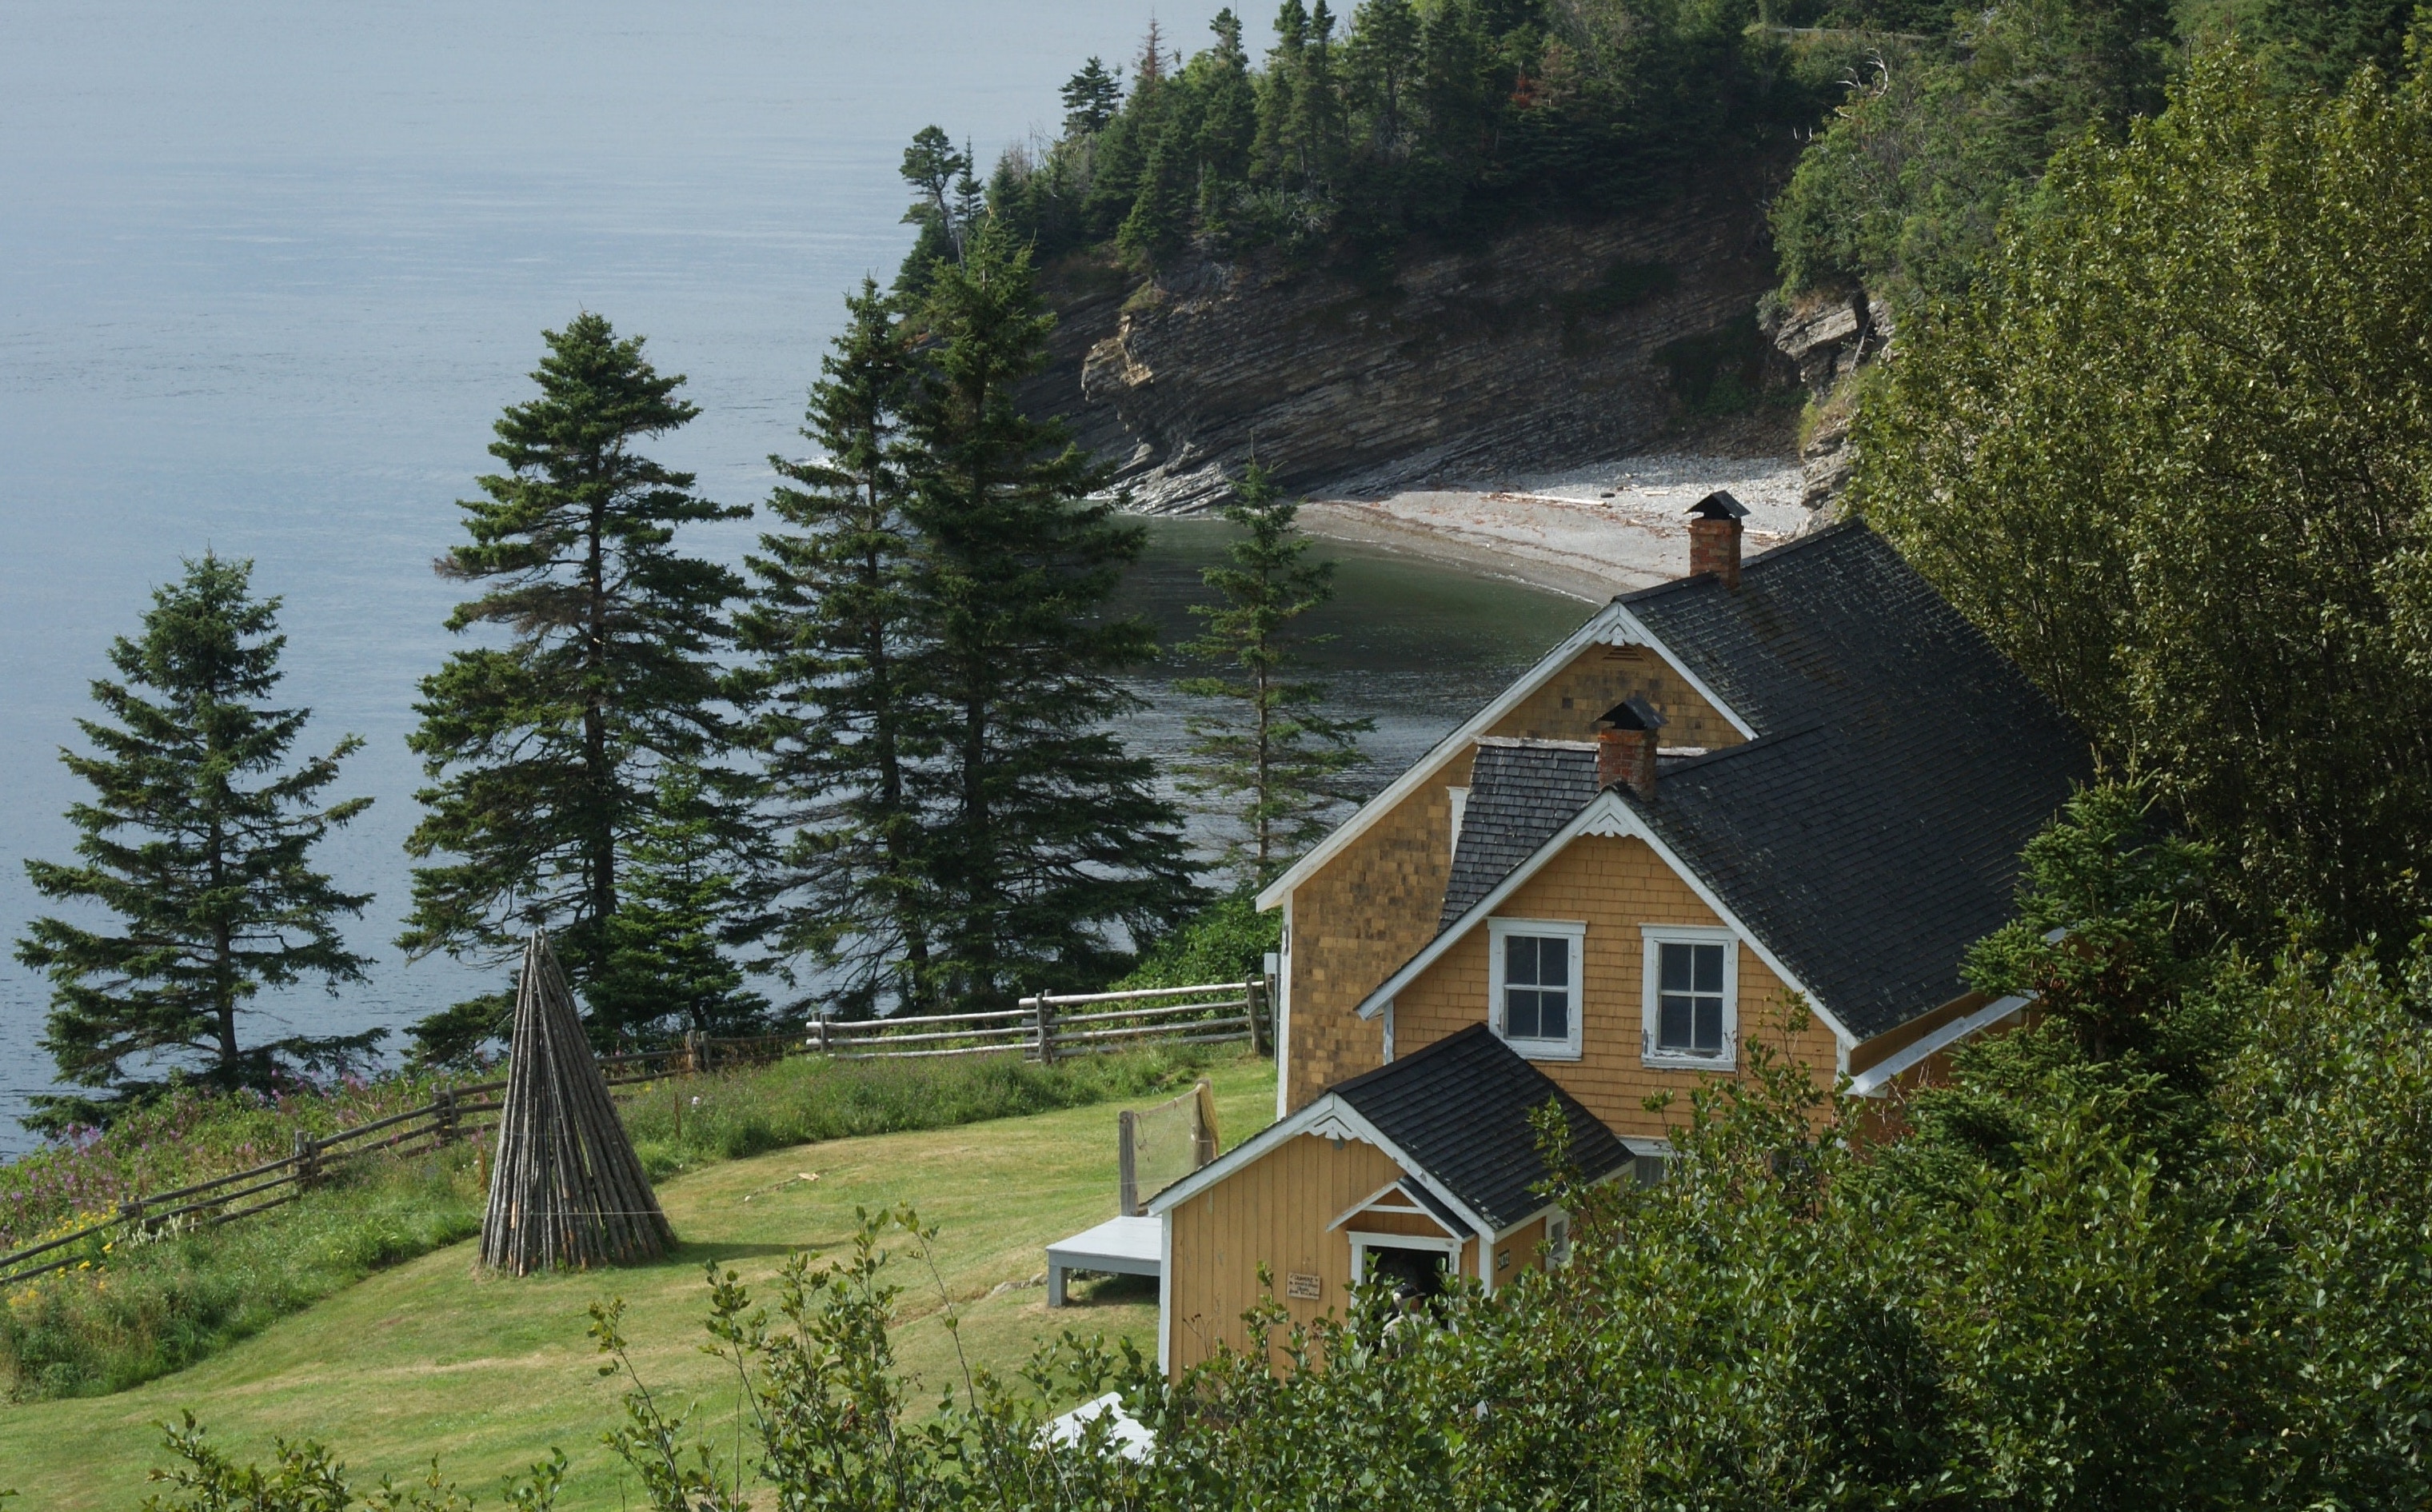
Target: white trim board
1609	816
1872	1082
1613	625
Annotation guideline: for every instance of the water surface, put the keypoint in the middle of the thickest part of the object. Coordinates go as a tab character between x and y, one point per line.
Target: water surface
268	271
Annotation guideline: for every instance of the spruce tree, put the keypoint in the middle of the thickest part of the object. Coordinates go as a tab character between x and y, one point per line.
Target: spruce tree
1091	97
545	751
1055	838
837	651
199	838
667	967
1273	760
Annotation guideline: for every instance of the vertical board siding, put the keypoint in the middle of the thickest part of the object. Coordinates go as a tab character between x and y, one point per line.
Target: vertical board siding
1374	905
1274	1211
1612	885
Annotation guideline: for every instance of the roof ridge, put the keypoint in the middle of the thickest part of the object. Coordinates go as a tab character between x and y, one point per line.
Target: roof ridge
1534	743
1415	1057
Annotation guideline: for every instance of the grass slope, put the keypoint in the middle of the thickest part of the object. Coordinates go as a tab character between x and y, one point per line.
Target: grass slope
488	1373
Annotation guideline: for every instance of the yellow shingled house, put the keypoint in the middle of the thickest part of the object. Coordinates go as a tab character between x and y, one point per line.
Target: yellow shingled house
1803	774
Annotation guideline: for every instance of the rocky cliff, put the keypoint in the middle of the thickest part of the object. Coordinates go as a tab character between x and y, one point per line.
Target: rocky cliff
1561	343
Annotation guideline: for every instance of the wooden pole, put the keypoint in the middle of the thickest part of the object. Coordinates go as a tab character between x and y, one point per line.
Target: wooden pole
1203	1124
1126	1163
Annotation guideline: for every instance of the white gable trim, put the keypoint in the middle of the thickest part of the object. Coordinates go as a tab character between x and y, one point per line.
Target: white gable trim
1610	816
1872	1082
1608	626
1613	625
1328	1115
1638	632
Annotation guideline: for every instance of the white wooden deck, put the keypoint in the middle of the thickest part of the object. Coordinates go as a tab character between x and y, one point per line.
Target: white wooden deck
1124	1246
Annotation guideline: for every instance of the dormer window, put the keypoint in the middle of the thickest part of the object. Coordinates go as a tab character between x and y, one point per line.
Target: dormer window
1690	1013
1534	980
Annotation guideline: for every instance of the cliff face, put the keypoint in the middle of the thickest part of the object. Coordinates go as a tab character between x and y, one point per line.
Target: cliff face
1558	344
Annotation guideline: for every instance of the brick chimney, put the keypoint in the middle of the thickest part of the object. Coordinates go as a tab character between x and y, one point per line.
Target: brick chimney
1626	745
1715	537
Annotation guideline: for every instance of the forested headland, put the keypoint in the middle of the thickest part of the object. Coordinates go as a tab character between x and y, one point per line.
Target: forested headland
1467	211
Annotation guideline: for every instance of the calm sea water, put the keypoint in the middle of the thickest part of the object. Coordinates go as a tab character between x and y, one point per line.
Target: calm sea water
268	272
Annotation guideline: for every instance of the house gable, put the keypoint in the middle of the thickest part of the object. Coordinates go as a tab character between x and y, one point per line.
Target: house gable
1368	896
1616	885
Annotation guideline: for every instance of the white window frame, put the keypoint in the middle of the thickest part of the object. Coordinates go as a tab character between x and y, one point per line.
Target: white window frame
1652	937
1362	1243
1498	931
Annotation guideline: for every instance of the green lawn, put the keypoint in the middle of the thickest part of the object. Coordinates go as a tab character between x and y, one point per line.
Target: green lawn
489	1372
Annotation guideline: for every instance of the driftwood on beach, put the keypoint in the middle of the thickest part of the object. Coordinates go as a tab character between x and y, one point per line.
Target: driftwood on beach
566	1188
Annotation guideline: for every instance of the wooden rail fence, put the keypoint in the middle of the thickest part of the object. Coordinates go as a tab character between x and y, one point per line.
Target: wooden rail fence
1044	1029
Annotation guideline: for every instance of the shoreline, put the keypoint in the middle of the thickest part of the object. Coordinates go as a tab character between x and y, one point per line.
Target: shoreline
1587	533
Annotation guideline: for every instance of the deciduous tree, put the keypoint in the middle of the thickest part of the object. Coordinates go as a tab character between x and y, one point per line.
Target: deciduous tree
2174	456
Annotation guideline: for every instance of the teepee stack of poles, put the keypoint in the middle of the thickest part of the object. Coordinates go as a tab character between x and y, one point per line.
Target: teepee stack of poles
566	1188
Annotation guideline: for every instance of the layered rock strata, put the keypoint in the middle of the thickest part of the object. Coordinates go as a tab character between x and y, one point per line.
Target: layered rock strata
1542	348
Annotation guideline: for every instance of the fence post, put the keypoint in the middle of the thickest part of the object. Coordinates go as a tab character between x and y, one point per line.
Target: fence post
306	1158
443	1116
1127	1164
1046	1030
1256	994
1203	1124
823	1034
695	1052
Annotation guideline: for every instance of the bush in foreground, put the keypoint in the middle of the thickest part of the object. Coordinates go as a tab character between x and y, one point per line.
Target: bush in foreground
2168	1248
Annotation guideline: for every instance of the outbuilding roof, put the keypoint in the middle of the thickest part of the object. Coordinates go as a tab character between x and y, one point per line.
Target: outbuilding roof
1460	1110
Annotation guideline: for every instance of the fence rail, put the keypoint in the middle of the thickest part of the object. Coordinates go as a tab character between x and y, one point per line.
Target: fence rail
1040	1030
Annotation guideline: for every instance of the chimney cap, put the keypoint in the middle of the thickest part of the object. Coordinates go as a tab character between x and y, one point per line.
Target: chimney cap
1719	505
1634	712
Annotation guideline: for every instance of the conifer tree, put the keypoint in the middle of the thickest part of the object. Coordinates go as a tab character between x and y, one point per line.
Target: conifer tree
839	652
1091	98
1054	836
1273	760
666	965
544	753
199	838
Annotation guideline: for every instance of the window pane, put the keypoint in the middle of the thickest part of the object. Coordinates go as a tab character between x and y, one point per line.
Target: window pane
1520	960
1554	1015
1553	962
1677	969
1672	1023
1520	1013
1710	968
1710	1025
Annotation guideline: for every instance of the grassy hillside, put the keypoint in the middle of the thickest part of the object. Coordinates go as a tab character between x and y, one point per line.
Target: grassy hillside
488	1373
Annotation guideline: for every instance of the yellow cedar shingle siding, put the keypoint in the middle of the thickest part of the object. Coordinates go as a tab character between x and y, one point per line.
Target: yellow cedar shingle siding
1373	905
1613	885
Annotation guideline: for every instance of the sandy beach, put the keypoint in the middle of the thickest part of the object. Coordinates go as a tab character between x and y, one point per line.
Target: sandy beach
1591	531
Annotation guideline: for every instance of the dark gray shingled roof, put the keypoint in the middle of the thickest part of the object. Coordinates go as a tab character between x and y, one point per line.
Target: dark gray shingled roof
1519	795
1459	1108
1870	833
